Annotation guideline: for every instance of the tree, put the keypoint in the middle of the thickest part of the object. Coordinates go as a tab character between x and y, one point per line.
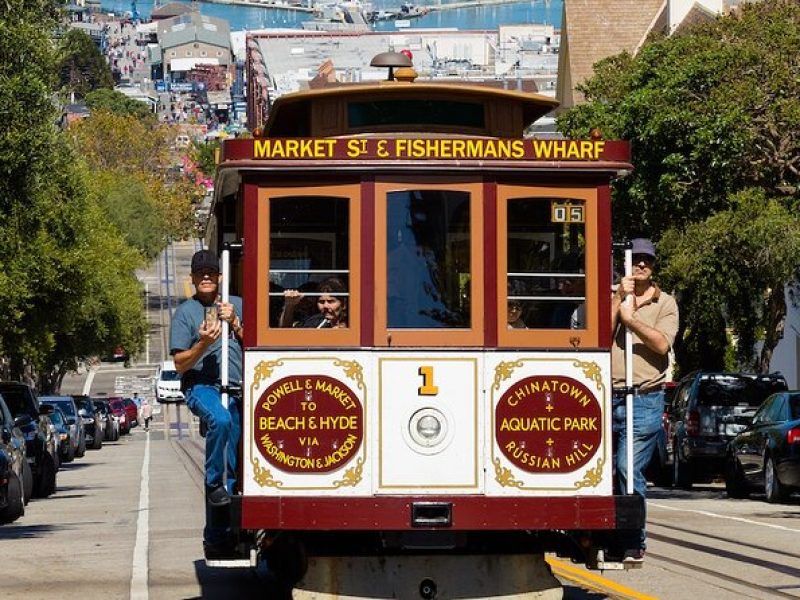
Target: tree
82	68
713	116
117	103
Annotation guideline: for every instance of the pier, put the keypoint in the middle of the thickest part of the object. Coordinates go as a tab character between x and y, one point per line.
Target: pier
418	10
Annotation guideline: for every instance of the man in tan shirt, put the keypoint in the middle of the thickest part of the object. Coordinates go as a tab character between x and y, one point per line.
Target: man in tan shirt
652	318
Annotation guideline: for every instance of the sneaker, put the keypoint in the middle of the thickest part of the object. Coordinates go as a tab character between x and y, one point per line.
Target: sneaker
217	496
634	556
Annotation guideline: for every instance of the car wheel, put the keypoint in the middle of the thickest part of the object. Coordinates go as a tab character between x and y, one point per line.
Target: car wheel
97	442
27	482
773	488
46	484
16	500
681	471
81	450
735	484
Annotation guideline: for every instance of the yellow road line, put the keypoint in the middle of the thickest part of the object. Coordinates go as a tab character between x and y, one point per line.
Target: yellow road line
593	581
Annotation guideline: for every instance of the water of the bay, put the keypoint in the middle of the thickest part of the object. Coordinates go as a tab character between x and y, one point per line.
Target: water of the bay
486	17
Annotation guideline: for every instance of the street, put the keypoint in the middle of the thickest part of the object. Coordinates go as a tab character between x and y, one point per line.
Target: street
126	521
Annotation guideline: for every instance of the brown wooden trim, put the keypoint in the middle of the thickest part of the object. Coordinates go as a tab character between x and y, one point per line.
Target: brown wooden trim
249	287
423	337
367	263
548	338
490	261
297	337
604	252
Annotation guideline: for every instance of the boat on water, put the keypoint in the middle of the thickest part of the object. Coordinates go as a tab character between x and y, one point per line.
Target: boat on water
404	13
338	16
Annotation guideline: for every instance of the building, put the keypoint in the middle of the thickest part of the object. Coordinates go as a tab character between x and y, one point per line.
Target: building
169	11
595	29
193	39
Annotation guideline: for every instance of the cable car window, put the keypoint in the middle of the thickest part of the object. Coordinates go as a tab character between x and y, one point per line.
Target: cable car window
308	258
546	264
428	259
420	112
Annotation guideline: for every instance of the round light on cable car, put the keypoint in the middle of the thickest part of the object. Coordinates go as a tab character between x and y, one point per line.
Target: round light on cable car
428	429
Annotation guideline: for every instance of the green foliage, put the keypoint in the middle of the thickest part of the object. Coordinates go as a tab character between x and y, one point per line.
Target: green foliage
117	103
82	67
68	288
713	116
204	155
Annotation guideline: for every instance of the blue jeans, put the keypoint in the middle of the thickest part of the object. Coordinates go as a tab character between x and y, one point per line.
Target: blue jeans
224	428
648	410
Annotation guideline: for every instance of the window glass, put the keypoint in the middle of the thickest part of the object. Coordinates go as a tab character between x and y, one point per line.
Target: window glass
730	390
421	112
428	259
794	406
546	264
309	262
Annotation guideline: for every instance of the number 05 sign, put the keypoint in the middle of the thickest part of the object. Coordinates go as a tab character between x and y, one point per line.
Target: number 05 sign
567	212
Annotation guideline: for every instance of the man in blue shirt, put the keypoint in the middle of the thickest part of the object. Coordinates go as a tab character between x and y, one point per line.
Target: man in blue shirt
196	346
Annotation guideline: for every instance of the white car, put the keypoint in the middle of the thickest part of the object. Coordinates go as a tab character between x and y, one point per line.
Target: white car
168	383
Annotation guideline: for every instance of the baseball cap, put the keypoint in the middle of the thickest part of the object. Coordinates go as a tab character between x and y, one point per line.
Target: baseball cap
643	246
204	260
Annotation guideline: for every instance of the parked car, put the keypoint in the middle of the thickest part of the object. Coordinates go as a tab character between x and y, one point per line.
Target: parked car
40	440
767	453
12	465
707	411
110	421
20	462
91	423
131	411
67	435
70	410
168	383
117	406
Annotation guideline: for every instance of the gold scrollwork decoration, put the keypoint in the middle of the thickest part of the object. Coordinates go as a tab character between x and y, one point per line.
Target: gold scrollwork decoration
592	477
264	371
504	476
503	371
352	476
353	370
263	476
591	370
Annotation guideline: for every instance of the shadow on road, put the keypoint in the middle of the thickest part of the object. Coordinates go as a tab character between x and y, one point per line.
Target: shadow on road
223	584
21	532
575	593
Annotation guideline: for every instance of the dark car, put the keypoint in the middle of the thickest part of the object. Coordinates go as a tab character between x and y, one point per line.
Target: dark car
40	442
94	427
70	410
767	453
108	419
12	467
707	411
117	406
67	439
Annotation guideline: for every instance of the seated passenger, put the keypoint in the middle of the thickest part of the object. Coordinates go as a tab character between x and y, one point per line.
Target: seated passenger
332	309
515	320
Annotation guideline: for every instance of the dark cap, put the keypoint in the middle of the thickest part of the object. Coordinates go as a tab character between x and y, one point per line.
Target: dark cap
204	260
643	246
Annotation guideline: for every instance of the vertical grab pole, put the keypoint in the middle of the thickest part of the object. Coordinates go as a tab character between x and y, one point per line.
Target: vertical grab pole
629	383
226	279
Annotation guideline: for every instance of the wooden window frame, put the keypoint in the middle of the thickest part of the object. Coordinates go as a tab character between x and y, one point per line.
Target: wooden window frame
297	337
440	336
549	338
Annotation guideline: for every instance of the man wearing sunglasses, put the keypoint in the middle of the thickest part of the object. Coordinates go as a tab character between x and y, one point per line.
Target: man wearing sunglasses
652	318
196	345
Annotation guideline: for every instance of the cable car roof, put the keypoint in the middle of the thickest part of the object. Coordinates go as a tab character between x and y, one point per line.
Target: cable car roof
386	107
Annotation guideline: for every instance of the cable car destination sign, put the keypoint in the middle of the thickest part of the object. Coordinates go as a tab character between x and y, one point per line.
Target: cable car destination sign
548	424
424	149
308	424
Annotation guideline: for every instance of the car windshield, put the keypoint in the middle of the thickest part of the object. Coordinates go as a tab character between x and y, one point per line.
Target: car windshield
15	400
57	417
65	404
731	390
86	405
170	376
100	408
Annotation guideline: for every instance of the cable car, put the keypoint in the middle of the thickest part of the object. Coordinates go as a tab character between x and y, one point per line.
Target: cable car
427	348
